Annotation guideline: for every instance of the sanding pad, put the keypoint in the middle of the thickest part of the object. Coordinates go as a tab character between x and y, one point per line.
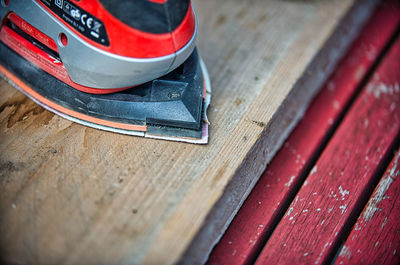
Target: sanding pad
172	107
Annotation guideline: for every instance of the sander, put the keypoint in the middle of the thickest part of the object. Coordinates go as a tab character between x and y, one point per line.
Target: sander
126	66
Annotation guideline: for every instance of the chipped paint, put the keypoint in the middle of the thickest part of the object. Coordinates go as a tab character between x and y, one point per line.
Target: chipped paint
378	89
343	192
392	106
366	122
343	208
380	192
290	181
290	210
378	196
384	222
345	252
314	170
336	104
372	52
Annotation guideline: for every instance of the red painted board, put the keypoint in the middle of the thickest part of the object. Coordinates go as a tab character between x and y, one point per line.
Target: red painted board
327	204
256	219
375	238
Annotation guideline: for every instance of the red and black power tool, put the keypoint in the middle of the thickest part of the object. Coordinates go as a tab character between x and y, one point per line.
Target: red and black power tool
128	66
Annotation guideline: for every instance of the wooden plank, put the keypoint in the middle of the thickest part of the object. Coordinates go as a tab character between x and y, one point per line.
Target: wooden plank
375	238
337	187
274	191
72	194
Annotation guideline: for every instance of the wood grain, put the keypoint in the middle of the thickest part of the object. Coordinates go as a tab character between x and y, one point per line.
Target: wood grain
375	238
277	187
339	184
76	195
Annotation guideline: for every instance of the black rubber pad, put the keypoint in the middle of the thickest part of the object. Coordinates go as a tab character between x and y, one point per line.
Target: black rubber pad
172	103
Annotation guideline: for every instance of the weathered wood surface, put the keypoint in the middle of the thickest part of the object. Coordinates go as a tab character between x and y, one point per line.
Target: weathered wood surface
267	202
375	238
76	195
339	184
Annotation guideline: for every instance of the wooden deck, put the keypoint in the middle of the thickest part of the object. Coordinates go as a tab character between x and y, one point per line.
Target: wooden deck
331	193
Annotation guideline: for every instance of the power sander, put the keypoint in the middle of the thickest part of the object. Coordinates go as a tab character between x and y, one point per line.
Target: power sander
127	66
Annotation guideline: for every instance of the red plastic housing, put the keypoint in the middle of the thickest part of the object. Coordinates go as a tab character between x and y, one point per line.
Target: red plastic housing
130	42
123	40
39	57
